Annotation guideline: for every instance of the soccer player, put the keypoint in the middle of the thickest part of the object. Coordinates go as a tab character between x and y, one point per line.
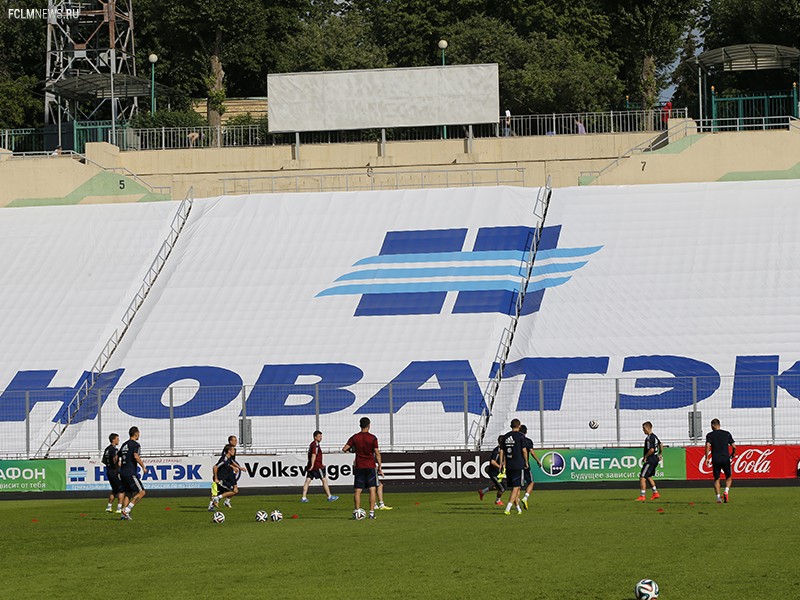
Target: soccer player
527	476
111	462
129	460
515	455
366	470
717	457
493	470
215	493
315	469
225	477
652	456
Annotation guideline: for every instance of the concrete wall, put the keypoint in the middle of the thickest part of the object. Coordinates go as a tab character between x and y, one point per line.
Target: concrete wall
721	156
690	156
562	157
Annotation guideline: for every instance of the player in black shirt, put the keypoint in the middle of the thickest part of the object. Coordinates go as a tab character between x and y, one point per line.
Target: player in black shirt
129	462
515	455
225	477
527	476
493	471
215	492
112	473
651	458
717	443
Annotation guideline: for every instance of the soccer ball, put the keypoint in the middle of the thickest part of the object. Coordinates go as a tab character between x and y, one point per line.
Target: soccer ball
276	515
261	516
218	517
359	514
593	424
646	589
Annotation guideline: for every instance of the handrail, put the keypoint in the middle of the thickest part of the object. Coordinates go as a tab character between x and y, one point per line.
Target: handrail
249	185
76	402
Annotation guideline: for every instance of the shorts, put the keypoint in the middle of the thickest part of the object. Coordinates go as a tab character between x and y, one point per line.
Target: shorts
115	481
131	484
514	477
527	477
316	473
365	478
648	469
721	466
226	484
499	485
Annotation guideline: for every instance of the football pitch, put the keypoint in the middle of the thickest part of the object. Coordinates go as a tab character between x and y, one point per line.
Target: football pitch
587	544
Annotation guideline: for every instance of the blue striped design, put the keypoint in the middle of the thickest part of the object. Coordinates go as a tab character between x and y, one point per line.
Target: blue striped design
428	257
427	272
439	286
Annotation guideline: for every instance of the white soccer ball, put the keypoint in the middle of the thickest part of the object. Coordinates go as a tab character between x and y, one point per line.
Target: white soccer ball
593	424
646	589
261	516
275	515
218	517
359	514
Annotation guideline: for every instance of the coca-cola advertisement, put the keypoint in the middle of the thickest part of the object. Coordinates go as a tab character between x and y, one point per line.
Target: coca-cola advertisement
750	462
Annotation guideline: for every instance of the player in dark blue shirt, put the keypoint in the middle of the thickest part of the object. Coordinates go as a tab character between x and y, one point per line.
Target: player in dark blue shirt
129	462
651	458
515	456
111	463
717	443
216	493
225	477
493	471
527	476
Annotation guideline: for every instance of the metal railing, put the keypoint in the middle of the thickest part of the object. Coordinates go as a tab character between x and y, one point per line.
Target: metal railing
228	136
71	408
374	178
269	418
22	140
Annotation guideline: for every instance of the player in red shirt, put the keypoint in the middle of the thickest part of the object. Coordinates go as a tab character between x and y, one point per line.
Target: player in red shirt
366	471
315	469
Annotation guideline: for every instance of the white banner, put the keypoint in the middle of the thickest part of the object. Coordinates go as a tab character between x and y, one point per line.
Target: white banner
375	98
161	472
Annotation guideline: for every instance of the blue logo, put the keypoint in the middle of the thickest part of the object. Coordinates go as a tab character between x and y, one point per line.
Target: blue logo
77	474
415	270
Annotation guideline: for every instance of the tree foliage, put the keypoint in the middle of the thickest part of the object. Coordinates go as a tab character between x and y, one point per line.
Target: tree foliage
554	55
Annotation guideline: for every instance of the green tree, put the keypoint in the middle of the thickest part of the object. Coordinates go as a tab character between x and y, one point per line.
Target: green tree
338	42
537	74
646	36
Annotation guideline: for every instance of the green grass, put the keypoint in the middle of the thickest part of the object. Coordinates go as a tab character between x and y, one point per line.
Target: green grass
588	544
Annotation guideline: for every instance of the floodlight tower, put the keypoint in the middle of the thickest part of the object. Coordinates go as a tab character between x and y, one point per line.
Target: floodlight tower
89	37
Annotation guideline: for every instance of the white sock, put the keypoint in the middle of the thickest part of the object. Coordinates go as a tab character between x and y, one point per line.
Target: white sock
130	506
109	504
654	489
527	495
508	508
727	489
642	492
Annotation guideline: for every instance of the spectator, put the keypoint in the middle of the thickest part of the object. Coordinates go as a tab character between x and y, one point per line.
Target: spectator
580	127
193	137
507	124
666	112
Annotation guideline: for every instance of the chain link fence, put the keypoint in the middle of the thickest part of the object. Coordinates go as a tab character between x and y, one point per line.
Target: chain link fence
186	420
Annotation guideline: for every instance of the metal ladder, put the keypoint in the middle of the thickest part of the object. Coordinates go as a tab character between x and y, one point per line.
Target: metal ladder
82	394
507	337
